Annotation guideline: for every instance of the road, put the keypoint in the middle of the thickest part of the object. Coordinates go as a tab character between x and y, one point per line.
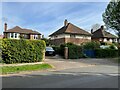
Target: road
94	76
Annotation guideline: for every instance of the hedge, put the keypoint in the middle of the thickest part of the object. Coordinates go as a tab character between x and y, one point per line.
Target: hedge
91	45
74	51
106	53
57	49
22	51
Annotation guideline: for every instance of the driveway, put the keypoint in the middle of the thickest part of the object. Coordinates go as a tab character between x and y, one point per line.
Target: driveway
80	73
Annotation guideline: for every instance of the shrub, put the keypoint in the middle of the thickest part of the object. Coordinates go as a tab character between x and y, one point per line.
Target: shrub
19	51
91	45
106	53
74	51
57	49
112	46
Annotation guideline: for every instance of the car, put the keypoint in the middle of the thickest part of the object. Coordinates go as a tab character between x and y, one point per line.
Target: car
108	46
50	51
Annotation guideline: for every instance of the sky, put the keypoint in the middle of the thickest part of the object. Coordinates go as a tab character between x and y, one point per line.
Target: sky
47	17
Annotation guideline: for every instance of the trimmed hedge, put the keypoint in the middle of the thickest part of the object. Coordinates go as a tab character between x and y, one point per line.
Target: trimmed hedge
74	51
22	51
106	53
91	45
57	49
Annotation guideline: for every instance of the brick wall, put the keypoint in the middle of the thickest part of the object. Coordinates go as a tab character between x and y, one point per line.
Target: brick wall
77	41
57	41
60	41
95	39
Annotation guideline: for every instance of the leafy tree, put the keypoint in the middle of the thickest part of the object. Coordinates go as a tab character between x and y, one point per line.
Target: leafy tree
47	41
111	16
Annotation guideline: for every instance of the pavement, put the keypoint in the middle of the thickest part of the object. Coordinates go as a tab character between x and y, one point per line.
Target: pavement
75	73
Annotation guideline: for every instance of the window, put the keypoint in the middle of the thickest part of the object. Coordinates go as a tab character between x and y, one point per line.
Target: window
35	36
15	35
72	36
12	35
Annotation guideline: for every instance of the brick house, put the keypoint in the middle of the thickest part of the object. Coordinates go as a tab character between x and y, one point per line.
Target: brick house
103	36
69	33
18	32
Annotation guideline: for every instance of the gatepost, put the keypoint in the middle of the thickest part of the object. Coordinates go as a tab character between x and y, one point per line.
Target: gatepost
66	52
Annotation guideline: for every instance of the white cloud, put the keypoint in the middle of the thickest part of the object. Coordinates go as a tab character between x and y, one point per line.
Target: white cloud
84	17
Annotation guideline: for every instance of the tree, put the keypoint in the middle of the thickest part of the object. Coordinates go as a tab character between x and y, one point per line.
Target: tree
47	41
111	16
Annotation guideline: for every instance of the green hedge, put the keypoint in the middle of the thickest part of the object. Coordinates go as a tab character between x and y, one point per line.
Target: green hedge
19	51
74	51
91	45
57	49
106	53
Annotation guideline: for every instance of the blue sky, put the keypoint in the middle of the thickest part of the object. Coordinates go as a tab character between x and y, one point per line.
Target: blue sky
47	17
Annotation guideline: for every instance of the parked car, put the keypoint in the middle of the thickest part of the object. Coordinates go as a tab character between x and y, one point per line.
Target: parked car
108	46
50	51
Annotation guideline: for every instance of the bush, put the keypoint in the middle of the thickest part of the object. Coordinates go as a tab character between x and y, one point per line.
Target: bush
74	51
112	46
91	45
57	49
19	51
106	53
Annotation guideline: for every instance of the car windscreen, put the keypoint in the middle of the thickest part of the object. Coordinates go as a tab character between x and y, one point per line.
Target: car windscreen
49	49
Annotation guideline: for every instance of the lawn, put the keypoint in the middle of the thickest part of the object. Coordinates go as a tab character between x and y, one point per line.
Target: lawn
17	69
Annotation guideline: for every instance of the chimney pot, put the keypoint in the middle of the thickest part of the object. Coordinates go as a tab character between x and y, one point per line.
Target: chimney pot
65	22
5	27
102	27
91	31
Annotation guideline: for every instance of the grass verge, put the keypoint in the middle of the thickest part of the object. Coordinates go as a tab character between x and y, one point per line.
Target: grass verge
17	69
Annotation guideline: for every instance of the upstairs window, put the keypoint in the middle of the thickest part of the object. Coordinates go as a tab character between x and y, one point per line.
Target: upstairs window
12	35
35	36
72	36
15	35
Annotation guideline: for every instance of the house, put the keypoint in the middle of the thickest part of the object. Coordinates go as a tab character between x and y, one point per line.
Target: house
18	32
69	33
103	36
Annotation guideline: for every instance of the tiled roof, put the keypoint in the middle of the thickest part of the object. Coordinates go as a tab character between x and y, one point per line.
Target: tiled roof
71	29
102	33
17	29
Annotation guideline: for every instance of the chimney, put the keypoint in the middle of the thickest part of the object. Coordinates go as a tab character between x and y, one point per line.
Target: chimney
102	27
65	22
91	31
5	27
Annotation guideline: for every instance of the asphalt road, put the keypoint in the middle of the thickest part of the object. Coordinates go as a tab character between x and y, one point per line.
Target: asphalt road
98	76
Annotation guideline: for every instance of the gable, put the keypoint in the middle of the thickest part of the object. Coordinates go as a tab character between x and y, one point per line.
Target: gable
102	34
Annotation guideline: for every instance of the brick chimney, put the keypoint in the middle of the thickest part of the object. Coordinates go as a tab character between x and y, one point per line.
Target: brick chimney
5	27
65	22
102	27
103	30
91	31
